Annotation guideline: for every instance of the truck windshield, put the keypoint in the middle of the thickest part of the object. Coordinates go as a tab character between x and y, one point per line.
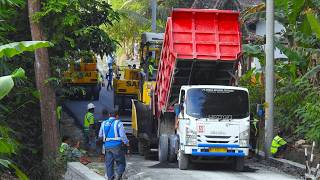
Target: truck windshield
217	103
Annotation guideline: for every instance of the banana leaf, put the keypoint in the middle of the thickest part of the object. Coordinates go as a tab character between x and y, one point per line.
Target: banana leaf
314	23
12	49
7	83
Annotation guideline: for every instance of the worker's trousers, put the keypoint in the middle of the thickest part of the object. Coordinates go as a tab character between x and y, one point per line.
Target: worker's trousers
109	85
115	155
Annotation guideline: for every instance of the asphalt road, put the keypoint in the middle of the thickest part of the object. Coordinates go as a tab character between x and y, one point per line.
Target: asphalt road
78	109
153	170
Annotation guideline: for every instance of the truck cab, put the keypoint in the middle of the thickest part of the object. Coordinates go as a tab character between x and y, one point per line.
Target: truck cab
214	121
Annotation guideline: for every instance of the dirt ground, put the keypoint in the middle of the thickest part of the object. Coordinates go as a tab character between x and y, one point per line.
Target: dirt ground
297	155
68	128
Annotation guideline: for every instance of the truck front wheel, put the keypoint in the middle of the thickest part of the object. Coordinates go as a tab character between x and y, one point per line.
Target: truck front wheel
183	161
239	164
163	148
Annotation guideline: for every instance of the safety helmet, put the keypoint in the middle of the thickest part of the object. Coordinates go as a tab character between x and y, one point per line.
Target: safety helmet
90	106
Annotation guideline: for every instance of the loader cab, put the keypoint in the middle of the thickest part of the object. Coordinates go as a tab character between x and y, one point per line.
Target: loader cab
150	51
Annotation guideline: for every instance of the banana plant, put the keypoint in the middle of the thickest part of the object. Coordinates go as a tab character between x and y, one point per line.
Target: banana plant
16	48
7	83
7	144
314	22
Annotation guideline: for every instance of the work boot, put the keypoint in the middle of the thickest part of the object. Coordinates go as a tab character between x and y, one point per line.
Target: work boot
118	177
112	178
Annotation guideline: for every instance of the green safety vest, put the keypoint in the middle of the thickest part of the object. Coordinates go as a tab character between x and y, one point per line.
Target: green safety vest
276	143
151	68
100	79
88	120
64	147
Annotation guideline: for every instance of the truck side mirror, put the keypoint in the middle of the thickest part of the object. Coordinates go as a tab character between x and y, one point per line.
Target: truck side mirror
182	109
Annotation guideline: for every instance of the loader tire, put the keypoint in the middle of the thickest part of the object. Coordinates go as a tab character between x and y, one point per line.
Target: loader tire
163	148
141	148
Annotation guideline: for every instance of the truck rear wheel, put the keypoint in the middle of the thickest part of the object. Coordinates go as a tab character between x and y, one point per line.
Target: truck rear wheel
183	161
239	164
163	148
166	124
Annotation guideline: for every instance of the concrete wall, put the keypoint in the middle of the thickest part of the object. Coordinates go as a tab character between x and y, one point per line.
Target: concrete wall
77	171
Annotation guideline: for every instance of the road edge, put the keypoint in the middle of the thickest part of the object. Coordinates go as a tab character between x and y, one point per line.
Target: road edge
287	166
76	170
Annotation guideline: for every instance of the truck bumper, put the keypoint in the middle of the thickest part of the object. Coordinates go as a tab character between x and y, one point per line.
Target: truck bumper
233	150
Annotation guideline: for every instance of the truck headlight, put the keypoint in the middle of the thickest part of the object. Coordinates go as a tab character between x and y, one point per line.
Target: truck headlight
191	137
243	143
244	138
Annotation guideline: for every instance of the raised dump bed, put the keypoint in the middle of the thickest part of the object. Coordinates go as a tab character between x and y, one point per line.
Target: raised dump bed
201	47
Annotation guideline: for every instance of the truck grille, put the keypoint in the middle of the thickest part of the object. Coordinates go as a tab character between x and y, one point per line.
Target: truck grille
224	137
217	139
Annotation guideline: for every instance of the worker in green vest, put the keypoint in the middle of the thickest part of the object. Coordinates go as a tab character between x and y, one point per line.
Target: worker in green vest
151	66
88	123
65	148
278	145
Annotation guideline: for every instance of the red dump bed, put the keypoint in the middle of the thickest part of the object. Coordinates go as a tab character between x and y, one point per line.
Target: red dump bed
201	46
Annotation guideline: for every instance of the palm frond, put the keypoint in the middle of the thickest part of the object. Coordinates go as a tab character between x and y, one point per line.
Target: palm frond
135	16
10	3
312	72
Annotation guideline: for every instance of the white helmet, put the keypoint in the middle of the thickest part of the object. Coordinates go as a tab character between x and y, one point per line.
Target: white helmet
90	106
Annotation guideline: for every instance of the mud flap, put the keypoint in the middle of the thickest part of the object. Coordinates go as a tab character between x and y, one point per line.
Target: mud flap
173	147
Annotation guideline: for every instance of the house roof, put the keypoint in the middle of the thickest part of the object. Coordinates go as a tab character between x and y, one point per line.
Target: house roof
220	4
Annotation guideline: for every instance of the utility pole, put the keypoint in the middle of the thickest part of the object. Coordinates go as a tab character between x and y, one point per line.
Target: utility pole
154	15
269	94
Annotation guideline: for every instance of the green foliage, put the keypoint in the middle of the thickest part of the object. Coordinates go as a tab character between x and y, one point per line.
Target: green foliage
8	146
74	25
7	83
136	19
252	80
295	7
250	50
297	78
11	2
13	49
299	109
7	12
314	23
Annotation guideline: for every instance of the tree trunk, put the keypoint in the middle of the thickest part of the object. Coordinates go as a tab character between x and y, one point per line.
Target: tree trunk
50	136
